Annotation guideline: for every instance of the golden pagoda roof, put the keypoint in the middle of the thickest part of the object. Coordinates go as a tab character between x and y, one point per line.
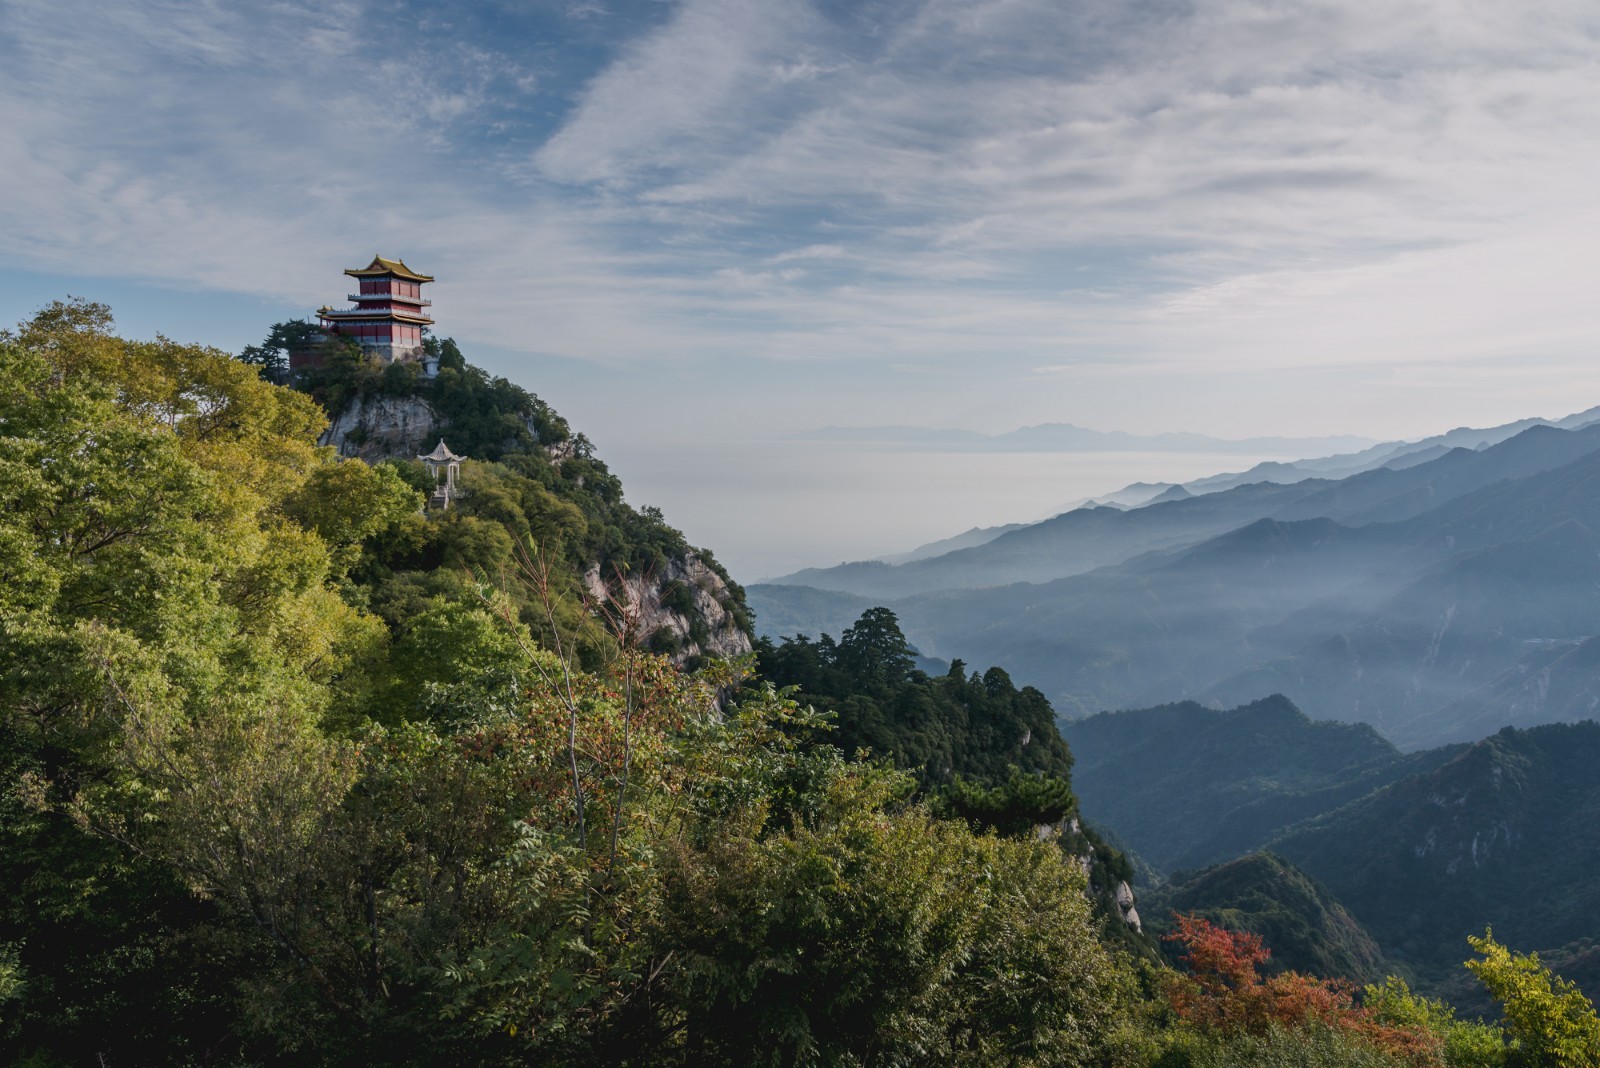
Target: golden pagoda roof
381	266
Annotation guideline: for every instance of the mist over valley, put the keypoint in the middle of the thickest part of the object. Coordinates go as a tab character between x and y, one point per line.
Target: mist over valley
1412	594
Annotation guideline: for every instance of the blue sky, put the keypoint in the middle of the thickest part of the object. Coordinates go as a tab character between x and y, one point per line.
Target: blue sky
720	221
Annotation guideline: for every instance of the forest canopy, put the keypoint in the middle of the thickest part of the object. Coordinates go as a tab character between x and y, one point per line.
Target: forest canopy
292	772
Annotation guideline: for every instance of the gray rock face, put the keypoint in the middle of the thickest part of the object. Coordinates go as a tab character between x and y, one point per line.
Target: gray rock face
372	428
559	451
641	597
1122	895
376	428
1130	915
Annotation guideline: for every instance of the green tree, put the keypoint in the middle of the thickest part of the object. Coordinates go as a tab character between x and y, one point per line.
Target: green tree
1463	1043
980	728
874	650
272	355
1015	807
814	918
1549	1023
164	615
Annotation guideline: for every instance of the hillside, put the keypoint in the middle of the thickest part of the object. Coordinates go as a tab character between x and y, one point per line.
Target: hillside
1420	849
1187	786
295	772
980	748
1306	929
1504	834
529	479
1557	681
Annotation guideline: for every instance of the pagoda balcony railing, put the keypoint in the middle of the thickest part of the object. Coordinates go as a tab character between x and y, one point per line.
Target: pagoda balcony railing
372	317
388	296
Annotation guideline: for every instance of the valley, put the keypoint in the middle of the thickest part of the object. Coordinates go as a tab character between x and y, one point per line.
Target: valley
1427	601
1346	704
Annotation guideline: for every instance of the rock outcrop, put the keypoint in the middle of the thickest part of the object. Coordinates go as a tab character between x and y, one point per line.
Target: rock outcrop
686	609
372	428
1124	899
1118	894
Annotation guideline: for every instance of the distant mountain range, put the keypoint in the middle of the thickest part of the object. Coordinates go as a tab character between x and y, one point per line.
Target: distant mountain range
1440	590
1410	852
1185	786
1394	455
1065	437
974	537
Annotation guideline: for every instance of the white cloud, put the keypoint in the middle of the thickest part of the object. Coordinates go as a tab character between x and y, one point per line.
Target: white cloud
1111	188
686	92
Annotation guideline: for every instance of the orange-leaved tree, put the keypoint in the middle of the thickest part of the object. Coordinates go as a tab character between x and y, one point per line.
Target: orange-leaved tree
1226	994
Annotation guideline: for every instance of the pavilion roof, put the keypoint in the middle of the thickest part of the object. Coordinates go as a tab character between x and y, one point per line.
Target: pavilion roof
380	266
441	454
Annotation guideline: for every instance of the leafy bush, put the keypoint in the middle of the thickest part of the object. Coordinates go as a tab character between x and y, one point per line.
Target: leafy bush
1549	1023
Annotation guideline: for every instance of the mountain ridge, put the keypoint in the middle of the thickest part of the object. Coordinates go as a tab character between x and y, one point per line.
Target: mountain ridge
1480	556
1421	849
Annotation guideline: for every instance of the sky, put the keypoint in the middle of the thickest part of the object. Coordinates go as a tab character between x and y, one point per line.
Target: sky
701	226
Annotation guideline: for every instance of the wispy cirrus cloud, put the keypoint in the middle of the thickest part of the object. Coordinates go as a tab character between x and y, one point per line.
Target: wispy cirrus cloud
1239	189
1252	126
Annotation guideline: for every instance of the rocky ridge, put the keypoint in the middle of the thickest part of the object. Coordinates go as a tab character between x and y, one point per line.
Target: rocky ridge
685	608
1113	891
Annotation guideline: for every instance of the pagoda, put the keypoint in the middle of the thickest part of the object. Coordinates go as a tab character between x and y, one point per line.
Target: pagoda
388	318
442	462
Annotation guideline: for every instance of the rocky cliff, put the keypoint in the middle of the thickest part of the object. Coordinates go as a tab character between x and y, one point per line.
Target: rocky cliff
1108	872
683	604
686	609
374	428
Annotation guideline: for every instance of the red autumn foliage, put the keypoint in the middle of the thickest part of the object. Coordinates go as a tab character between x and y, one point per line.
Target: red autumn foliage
1226	993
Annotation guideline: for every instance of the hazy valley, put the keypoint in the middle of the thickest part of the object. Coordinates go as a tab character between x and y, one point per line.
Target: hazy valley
1383	669
1429	599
